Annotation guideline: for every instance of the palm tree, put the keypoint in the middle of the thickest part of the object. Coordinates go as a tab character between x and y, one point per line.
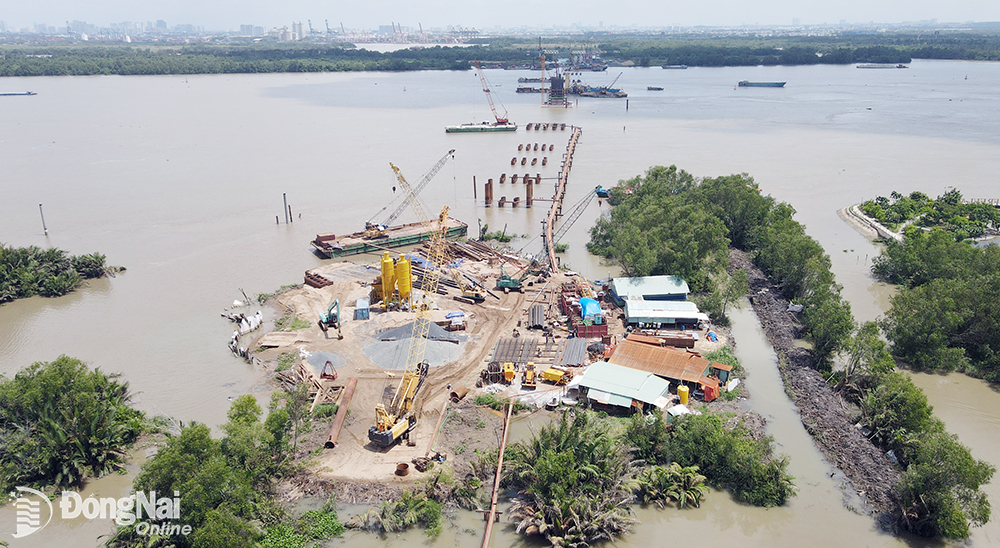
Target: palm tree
689	486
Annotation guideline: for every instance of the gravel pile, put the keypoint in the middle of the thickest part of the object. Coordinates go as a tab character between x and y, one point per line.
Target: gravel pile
392	354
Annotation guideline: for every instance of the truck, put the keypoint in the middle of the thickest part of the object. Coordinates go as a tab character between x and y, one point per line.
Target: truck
557	375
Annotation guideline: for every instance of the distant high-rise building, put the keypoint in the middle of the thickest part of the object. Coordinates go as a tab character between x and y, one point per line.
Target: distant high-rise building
258	31
161	24
297	31
795	21
246	30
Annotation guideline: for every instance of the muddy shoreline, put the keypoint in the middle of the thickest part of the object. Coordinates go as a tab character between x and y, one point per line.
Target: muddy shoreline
824	413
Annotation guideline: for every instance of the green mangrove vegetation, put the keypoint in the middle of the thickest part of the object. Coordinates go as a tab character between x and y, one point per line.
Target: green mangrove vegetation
61	422
228	484
668	222
30	271
948	212
221	56
577	477
944	316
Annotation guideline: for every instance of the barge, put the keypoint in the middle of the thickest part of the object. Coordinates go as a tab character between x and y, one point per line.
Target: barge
748	84
331	246
481	127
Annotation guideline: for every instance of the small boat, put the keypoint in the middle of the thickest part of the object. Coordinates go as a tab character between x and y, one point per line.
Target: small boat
654	88
14	93
552	403
748	84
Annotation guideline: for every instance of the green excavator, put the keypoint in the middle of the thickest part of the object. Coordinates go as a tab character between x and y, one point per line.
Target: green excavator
331	318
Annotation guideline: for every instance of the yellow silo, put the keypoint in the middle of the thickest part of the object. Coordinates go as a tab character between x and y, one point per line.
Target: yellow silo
388	278
403	277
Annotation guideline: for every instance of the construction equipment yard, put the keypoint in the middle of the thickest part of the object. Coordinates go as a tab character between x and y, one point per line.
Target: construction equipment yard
354	457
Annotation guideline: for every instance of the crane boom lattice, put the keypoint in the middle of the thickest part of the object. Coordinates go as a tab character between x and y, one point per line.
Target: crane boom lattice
489	96
395	421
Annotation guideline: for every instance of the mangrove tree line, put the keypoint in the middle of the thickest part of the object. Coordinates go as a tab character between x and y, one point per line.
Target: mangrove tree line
651	230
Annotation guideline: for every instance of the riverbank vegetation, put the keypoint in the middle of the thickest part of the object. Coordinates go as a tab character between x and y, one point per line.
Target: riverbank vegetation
62	422
667	222
30	271
949	212
943	318
576	478
227	484
224	56
938	493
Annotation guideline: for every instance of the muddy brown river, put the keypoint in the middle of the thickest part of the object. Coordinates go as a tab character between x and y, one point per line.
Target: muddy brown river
180	179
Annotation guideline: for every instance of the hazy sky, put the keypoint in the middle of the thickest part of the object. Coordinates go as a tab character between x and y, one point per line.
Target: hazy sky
364	14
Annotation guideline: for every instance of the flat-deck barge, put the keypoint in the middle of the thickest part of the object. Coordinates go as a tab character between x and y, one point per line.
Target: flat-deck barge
330	246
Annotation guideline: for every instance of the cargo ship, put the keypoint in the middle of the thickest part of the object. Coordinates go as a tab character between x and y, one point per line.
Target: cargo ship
481	127
881	66
15	93
749	84
331	246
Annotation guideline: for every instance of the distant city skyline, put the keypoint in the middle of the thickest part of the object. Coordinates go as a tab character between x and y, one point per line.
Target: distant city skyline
510	14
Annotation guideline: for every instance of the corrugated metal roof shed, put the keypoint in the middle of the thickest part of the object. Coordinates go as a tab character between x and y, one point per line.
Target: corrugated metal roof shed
650	288
662	312
664	362
610	380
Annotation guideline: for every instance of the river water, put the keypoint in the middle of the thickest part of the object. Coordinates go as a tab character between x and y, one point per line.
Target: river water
180	179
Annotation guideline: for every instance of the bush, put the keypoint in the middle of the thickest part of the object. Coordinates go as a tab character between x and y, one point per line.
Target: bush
60	421
324	410
731	459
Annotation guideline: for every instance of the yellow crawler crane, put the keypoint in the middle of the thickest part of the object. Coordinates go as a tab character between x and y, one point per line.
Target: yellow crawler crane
394	422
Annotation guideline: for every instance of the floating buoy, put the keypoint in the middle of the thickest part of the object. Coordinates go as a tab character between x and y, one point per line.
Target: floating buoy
524	160
520	148
534	161
513	160
545	160
551	148
513	179
536	146
503	176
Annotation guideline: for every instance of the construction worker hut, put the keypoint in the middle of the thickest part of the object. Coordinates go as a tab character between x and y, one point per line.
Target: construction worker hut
614	388
655	301
679	367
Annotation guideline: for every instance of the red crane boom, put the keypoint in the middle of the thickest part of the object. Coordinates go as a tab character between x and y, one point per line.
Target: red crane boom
489	97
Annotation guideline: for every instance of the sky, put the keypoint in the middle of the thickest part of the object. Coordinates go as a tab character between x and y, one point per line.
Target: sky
369	14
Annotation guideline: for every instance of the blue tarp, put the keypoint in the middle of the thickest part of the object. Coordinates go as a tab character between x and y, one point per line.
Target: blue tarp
589	308
456	314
